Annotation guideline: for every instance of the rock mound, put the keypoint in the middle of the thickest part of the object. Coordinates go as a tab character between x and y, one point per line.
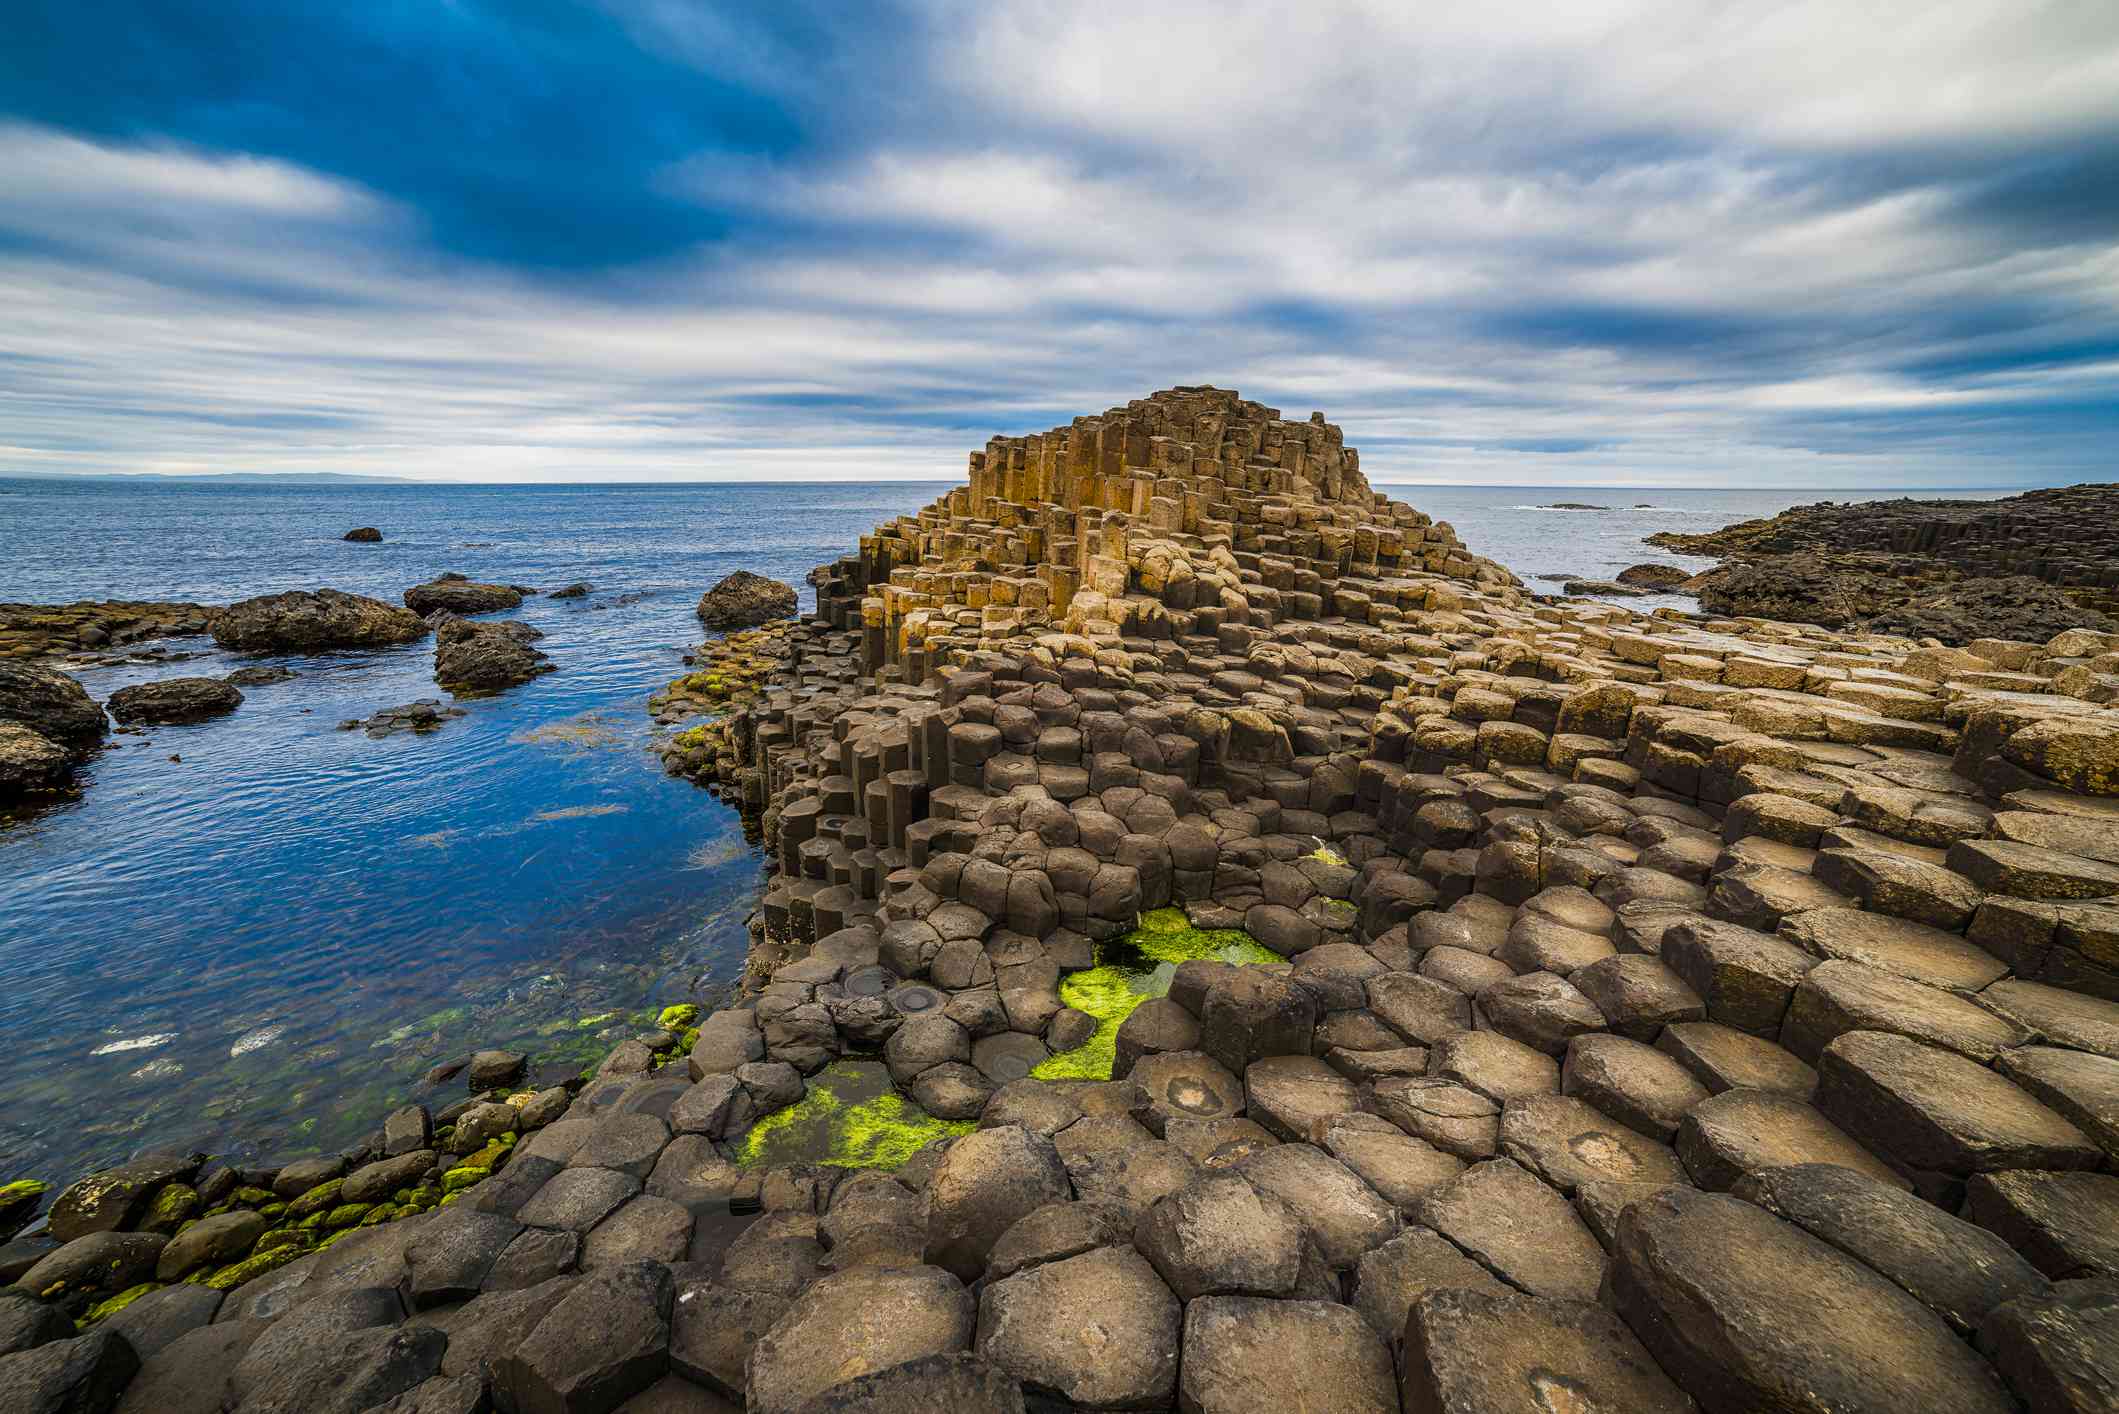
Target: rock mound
461	596
364	535
48	725
310	621
745	600
1653	576
475	658
174	700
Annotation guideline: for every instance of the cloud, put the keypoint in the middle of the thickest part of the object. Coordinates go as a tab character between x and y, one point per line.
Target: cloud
1609	242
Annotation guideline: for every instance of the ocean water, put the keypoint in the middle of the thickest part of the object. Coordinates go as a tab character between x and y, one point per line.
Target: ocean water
262	946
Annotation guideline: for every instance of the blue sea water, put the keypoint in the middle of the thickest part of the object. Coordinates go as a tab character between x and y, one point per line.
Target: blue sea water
260	947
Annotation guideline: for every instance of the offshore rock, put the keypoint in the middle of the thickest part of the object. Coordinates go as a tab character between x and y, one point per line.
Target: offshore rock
364	535
471	658
461	596
310	621
48	726
745	600
174	700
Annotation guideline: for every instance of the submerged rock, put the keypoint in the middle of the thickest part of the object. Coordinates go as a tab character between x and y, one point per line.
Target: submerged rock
424	715
174	700
309	621
745	600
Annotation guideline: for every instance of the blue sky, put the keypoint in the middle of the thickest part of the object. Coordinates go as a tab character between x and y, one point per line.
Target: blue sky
1632	242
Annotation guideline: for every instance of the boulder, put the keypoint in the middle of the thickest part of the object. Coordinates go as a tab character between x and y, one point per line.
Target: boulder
474	658
745	600
458	595
30	761
363	535
174	700
48	725
310	621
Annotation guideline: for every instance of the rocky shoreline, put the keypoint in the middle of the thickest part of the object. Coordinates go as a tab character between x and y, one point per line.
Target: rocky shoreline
1226	946
2023	567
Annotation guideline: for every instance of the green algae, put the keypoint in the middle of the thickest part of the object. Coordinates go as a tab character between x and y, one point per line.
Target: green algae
21	1191
112	1305
678	1017
1132	969
236	1273
850	1117
460	1178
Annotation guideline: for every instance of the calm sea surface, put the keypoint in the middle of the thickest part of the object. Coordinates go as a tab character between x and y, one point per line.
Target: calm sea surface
261	947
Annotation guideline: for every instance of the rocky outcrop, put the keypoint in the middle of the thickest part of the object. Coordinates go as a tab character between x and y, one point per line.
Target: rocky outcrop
311	621
95	626
174	700
1553	1004
745	600
2024	567
474	658
457	595
48	725
364	535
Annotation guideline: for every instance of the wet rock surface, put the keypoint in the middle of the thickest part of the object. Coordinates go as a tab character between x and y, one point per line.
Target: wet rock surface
1286	964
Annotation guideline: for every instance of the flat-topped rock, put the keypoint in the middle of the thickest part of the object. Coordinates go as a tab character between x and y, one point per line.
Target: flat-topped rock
1725	1296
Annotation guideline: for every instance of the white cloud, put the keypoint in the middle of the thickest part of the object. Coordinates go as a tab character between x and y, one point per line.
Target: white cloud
1431	222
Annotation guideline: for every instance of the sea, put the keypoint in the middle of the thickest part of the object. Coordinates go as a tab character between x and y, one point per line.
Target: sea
256	935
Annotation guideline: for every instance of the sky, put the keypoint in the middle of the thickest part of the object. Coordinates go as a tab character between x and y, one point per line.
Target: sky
1601	242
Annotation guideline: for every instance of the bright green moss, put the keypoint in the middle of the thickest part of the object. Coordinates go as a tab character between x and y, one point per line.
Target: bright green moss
21	1191
117	1303
850	1118
1131	970
462	1177
347	1214
676	1018
236	1273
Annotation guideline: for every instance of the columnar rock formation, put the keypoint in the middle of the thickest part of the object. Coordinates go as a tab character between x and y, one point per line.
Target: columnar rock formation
1672	1013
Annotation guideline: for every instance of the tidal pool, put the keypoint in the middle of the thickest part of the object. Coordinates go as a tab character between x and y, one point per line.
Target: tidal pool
1132	969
